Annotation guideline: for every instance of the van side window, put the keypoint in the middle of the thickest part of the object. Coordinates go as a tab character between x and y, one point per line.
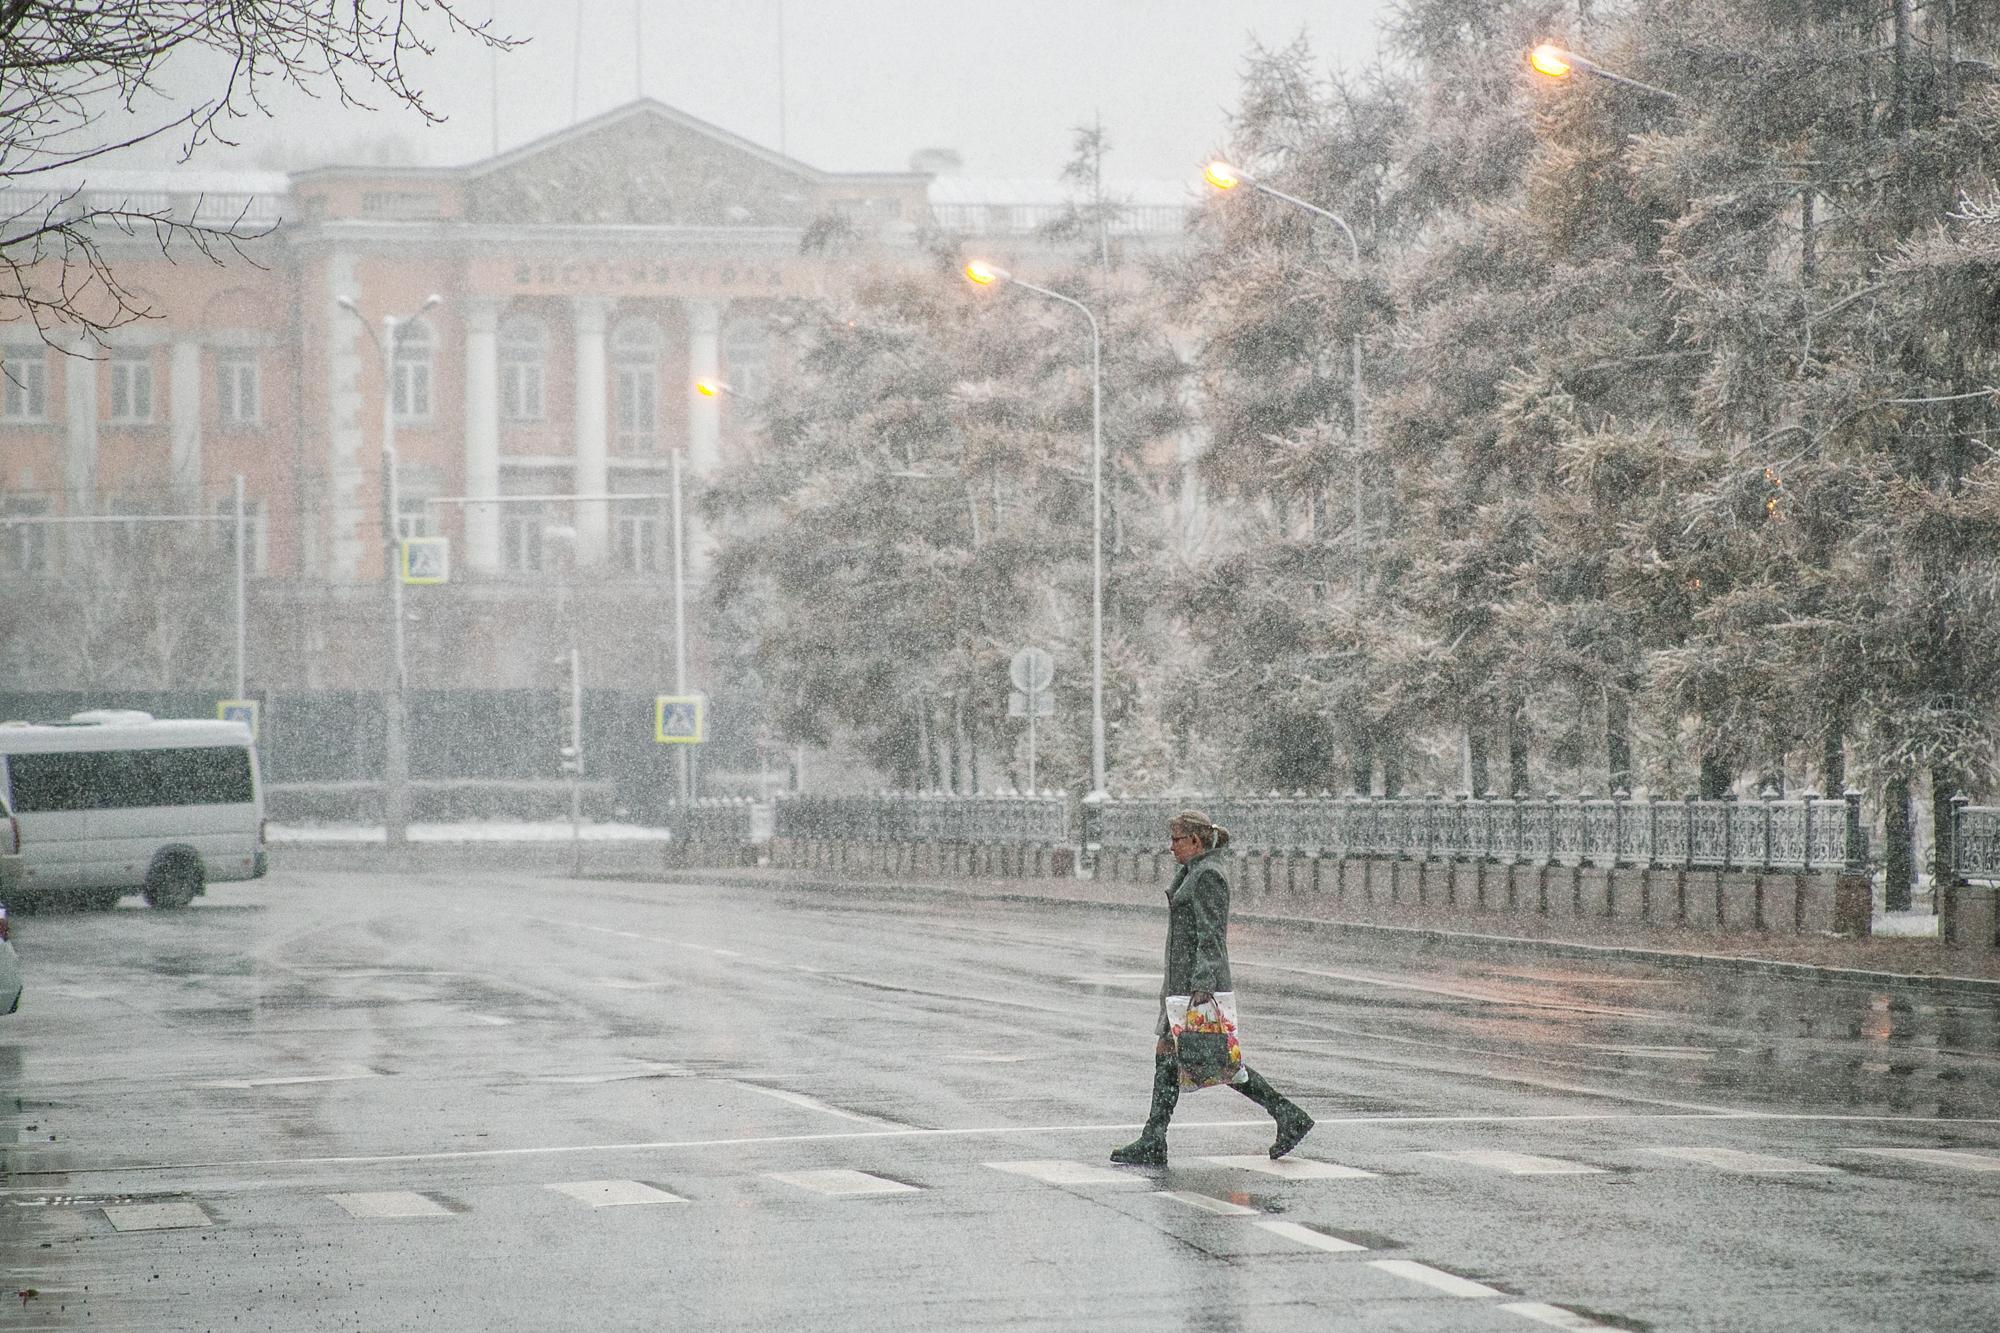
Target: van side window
120	779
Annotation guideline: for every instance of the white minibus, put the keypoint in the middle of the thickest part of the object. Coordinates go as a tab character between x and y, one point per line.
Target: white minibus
113	801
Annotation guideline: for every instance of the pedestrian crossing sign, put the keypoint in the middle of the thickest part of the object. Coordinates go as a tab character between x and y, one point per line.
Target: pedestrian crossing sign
426	559
678	719
239	710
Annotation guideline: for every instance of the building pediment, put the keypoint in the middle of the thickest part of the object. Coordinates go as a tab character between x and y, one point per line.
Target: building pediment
644	165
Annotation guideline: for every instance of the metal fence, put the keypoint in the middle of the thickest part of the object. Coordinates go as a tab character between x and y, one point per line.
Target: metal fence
922	817
726	820
1809	833
1975	841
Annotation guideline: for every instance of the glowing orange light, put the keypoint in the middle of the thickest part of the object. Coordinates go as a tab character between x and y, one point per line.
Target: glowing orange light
1222	176
983	273
708	388
1551	60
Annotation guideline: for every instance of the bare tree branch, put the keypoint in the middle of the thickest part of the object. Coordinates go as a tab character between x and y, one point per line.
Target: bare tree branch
67	67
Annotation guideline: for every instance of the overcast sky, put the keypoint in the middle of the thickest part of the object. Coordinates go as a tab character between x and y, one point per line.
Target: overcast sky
866	82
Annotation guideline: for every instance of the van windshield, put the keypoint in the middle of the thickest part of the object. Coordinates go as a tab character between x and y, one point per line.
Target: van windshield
121	779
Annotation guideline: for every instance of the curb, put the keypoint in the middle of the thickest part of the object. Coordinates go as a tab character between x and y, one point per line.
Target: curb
1513	944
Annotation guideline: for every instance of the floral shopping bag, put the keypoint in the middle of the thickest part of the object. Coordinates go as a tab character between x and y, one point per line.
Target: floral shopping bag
1205	1040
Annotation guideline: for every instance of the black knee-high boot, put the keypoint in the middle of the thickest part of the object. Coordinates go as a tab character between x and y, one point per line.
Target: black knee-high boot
1293	1123
1150	1148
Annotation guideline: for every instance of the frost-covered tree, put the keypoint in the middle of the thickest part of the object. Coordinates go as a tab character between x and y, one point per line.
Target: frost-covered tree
920	507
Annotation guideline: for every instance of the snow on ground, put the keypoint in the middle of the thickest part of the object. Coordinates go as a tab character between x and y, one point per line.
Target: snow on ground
1919	922
470	831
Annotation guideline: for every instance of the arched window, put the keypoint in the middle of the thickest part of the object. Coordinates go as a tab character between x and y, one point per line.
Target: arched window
416	345
524	347
746	356
635	358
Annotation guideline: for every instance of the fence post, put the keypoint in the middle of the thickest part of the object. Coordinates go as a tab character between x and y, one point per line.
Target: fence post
1857	843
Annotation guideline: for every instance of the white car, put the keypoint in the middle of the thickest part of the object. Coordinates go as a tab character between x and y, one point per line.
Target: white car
10	969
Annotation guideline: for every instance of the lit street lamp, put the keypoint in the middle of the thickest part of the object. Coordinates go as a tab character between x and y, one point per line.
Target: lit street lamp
395	748
986	275
1554	62
1225	177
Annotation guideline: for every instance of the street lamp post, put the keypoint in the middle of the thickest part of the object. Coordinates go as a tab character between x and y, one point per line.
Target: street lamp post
395	746
986	275
1225	177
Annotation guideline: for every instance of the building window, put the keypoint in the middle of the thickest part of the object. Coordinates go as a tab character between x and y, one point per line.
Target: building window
415	344
26	544
635	355
524	347
638	538
131	390
746	359
236	388
415	518
253	531
521	538
26	397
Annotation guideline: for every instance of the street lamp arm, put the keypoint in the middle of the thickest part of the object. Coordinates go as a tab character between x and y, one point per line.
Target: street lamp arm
1353	245
1058	296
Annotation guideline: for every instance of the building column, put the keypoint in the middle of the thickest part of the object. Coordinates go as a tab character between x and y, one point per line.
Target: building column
184	420
593	471
80	452
352	535
704	363
482	433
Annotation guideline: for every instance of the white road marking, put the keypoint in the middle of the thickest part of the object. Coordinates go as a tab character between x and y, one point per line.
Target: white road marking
814	1104
1293	1168
1451	1284
390	1203
287	1082
985	1058
619	983
1067	1173
156	1216
1145	980
492	1020
1749	1163
1512	999
841	1182
24	1171
1318	1240
614	1193
1965	1161
1518	1163
643	1071
1556	1317
1659	1052
1207	1203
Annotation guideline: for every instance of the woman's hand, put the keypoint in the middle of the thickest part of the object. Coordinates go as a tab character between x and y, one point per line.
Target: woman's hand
1201	997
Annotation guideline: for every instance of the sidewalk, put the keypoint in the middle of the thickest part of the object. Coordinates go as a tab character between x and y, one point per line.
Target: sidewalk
1881	960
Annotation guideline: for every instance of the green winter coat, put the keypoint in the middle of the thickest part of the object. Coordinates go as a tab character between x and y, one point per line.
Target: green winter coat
1197	932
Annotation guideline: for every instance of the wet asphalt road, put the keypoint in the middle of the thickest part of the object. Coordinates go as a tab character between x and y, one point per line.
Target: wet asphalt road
494	1101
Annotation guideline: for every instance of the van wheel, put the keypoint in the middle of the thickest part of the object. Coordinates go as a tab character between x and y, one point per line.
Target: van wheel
173	882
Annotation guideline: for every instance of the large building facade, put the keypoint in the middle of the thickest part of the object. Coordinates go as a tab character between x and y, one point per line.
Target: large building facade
584	283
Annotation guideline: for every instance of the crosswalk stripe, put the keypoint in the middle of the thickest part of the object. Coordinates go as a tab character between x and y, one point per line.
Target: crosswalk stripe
841	1182
1964	1161
1451	1284
1305	1235
614	1193
1518	1163
1556	1317
1067	1173
390	1203
1207	1203
156	1216
1293	1168
1748	1163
